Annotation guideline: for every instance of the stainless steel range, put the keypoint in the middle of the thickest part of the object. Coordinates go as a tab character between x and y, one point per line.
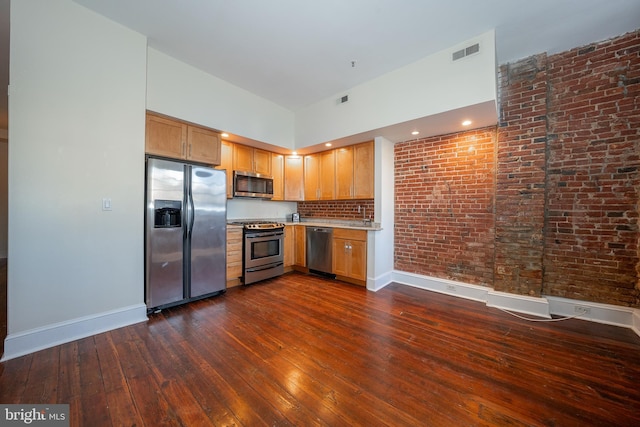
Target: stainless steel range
263	250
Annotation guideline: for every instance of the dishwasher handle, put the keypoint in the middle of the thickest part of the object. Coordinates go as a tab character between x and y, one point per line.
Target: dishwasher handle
322	230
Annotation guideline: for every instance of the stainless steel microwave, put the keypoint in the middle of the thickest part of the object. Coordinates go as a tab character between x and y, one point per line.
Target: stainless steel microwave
249	184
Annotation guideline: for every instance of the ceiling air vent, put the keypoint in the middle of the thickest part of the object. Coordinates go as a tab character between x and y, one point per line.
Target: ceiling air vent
467	51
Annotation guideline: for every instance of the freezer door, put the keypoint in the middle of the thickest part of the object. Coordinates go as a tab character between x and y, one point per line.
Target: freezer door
207	230
164	240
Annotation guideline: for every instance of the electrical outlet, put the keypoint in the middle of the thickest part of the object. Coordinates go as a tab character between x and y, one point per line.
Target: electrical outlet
581	309
451	288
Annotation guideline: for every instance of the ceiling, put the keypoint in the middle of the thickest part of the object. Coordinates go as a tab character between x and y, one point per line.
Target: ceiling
296	52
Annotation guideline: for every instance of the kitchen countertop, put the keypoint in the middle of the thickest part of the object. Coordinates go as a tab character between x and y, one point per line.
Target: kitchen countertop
333	223
319	222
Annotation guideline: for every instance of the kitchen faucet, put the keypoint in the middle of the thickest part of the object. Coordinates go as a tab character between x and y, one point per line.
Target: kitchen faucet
364	214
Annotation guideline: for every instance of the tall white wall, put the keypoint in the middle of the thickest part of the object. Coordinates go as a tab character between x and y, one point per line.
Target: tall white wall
76	126
4	197
180	90
380	243
433	85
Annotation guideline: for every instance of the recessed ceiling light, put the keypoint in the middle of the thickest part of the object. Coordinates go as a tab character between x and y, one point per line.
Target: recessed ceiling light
328	144
466	123
294	153
225	135
415	132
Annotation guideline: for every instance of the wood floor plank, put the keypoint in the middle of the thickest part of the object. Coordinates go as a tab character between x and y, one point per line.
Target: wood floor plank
69	373
305	350
42	382
13	379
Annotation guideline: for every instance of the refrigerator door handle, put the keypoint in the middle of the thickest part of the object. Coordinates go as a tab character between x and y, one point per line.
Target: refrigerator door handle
190	213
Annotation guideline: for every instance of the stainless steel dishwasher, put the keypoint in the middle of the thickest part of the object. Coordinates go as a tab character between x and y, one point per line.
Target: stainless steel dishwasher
319	243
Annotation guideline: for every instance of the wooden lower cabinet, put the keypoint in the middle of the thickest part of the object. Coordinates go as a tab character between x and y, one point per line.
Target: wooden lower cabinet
300	259
289	247
234	256
350	255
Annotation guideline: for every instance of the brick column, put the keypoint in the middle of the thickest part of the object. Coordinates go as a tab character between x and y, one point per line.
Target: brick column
520	178
591	248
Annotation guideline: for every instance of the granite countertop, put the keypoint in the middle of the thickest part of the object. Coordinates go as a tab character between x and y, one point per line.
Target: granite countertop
337	223
318	222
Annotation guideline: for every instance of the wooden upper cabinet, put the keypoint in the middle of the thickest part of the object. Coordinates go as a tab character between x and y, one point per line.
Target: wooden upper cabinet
320	176
203	145
249	159
340	174
277	171
327	176
242	158
165	137
344	173
363	170
172	138
311	174
262	161
293	178
355	171
226	163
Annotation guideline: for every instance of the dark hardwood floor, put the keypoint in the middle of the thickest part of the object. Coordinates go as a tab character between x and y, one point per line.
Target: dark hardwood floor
301	350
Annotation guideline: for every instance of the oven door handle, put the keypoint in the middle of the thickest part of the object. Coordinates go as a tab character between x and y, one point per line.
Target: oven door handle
264	267
261	235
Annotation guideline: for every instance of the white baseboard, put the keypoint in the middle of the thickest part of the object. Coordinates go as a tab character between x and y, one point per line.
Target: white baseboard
543	307
377	283
519	303
19	344
600	313
443	286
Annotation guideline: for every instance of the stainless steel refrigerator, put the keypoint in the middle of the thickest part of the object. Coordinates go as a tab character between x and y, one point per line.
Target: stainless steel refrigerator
185	232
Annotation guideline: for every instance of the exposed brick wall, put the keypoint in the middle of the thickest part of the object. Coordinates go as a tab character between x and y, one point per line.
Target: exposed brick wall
593	172
444	206
337	209
566	184
520	179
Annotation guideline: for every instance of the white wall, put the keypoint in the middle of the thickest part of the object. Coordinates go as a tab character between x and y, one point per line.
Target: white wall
427	87
380	243
76	126
4	210
180	90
